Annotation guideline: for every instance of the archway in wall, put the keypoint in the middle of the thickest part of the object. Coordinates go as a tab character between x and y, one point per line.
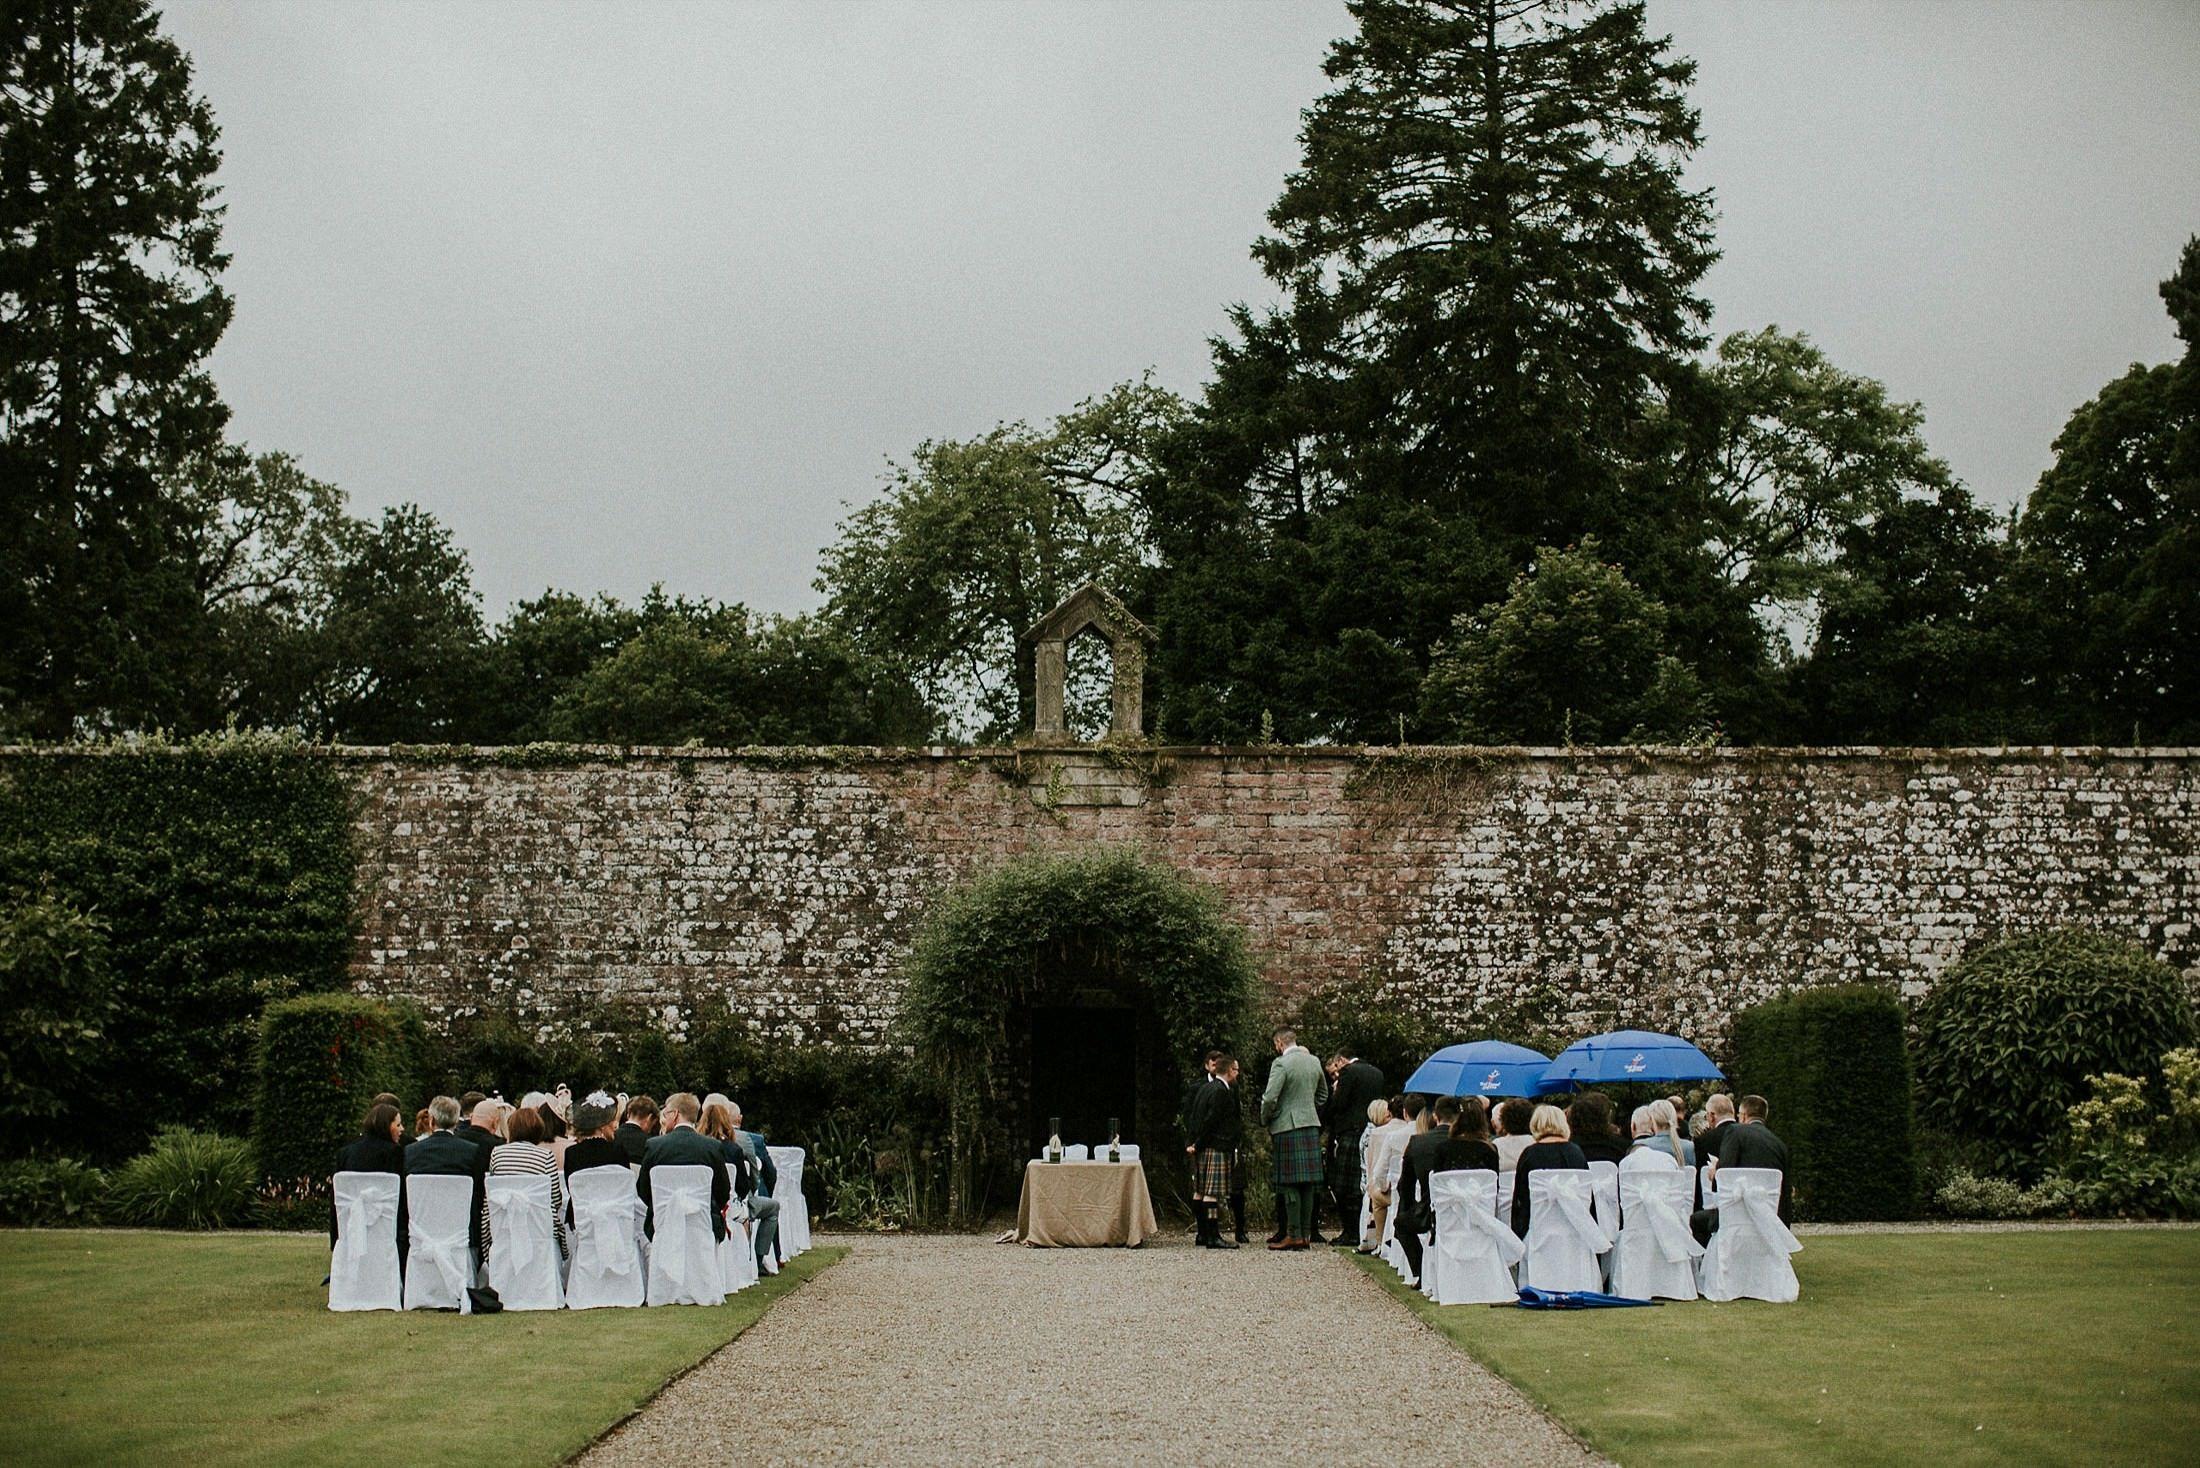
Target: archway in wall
1087	982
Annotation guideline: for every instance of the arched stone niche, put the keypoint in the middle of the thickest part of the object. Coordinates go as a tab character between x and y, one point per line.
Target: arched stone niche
1089	607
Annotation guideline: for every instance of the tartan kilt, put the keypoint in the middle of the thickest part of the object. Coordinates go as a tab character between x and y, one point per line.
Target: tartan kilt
1214	1172
1344	1167
1297	1156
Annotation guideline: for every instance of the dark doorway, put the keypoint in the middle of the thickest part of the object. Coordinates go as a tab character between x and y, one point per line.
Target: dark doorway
1084	1069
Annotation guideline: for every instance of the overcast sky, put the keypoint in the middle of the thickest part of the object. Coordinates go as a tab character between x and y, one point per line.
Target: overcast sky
646	292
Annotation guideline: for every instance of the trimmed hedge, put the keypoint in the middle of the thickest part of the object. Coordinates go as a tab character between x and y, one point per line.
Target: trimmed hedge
1834	1067
322	1058
2008	1036
221	872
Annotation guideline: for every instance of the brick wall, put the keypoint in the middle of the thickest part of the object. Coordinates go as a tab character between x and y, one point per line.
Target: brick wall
1594	888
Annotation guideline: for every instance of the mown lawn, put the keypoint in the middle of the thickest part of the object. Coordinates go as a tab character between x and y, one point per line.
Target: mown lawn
123	1347
1925	1350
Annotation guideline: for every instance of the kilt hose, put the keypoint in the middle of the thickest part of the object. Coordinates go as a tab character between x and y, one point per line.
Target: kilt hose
1298	1157
1214	1174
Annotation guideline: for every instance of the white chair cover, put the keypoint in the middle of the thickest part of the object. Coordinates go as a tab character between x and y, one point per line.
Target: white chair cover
1075	1152
1128	1151
524	1268
1474	1254
441	1267
1748	1257
1705	1187
1506	1178
362	1270
1604	1203
794	1208
607	1239
1564	1237
737	1250
1656	1254
683	1260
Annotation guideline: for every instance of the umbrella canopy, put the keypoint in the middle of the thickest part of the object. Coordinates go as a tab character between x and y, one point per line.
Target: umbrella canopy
1481	1068
1629	1055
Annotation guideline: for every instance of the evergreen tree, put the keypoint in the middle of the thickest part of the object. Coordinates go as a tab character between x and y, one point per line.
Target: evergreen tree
109	247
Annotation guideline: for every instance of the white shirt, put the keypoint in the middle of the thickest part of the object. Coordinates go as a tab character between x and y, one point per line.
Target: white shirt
1650	1157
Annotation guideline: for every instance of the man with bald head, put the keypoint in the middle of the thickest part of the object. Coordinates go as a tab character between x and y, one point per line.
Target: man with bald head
447	1152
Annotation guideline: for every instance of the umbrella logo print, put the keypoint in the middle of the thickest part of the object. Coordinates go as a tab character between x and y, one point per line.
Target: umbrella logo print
1637	1065
1492	1081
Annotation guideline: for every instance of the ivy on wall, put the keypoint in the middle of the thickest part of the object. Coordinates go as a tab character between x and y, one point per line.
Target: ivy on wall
986	952
220	870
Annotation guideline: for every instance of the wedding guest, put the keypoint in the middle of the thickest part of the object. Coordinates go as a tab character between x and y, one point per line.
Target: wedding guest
528	1153
376	1149
423	1123
640	1125
1649	1148
1353	1084
1468	1145
1512	1131
1718	1115
1388	1133
1291	1109
1749	1142
1217	1129
597	1145
681	1145
1666	1123
1551	1148
555	1130
445	1152
1431	1125
764	1203
1595	1128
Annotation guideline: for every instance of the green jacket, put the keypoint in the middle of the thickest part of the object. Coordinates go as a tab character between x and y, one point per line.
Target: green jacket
1296	1090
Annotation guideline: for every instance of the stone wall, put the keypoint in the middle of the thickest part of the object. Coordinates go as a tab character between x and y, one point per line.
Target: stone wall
1590	888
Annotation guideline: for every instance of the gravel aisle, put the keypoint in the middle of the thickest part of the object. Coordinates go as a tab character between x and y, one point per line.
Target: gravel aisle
960	1350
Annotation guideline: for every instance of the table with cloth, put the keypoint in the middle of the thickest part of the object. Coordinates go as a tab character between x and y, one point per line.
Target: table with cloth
1084	1205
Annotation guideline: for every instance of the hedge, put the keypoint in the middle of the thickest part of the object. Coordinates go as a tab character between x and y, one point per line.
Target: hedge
322	1058
221	873
1834	1067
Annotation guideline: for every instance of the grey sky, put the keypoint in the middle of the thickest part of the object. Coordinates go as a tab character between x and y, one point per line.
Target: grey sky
644	292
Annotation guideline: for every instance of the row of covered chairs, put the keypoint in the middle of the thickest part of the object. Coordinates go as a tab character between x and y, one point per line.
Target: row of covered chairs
610	1261
1626	1233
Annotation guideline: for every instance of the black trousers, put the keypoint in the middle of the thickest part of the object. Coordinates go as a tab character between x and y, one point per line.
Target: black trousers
1411	1244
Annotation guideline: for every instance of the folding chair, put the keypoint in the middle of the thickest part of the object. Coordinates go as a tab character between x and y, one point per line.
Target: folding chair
683	1256
1564	1238
1749	1254
524	1268
1656	1254
363	1272
607	1239
441	1267
1471	1262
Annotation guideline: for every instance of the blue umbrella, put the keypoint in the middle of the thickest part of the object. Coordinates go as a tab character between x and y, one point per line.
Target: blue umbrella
1482	1068
1629	1055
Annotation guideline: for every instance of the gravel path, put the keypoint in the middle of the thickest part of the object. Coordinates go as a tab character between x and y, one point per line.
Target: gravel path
960	1350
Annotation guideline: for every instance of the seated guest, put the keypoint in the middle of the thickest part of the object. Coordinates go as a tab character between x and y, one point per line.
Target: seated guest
1595	1127
1432	1125
484	1126
1468	1145
596	1144
722	1123
423	1123
764	1203
555	1130
681	1145
1750	1143
375	1149
465	1128
1667	1123
1511	1132
1550	1148
445	1152
1649	1149
528	1153
640	1125
1718	1115
1381	1160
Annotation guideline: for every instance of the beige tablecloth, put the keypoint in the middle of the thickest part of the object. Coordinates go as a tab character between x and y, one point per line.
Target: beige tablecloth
1082	1204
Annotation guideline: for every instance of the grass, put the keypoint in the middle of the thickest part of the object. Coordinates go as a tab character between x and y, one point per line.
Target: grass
219	1349
1933	1349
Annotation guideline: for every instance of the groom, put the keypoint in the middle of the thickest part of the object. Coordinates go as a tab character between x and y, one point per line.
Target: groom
1291	1107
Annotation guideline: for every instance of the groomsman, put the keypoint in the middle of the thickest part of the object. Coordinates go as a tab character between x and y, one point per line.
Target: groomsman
1353	1084
1291	1110
1218	1127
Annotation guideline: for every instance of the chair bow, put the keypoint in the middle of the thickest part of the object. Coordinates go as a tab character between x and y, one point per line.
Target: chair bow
678	1209
607	1226
1453	1215
359	1215
521	1227
1668	1230
1573	1206
1756	1205
446	1255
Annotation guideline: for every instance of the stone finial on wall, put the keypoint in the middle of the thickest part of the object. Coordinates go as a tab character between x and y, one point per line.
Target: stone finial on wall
1089	607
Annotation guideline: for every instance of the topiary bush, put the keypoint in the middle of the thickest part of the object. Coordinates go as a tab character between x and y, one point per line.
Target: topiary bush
1834	1066
2009	1035
51	1192
188	1180
322	1058
56	1003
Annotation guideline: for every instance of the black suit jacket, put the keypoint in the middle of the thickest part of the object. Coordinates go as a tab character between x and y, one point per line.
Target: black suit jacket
452	1154
1218	1117
1419	1161
1349	1094
485	1142
631	1139
594	1152
373	1154
687	1147
1752	1144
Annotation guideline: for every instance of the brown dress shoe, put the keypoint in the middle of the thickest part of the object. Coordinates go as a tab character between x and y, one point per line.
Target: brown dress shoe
1280	1244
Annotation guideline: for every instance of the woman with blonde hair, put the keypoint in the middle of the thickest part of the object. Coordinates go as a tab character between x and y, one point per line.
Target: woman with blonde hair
1552	1147
1382	1149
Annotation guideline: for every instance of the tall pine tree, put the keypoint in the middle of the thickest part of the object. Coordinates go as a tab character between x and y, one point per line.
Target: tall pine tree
110	244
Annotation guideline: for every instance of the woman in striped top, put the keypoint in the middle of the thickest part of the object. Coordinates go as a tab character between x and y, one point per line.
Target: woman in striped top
529	1152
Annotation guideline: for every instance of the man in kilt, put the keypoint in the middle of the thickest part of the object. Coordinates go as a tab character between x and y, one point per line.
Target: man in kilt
1216	1130
1291	1109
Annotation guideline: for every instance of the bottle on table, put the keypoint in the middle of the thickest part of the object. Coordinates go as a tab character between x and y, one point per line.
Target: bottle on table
1115	1140
1054	1139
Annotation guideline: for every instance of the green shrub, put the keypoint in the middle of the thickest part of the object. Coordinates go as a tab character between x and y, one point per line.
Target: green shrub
1965	1194
56	1002
301	1205
222	868
2008	1036
1834	1066
51	1192
188	1180
322	1058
